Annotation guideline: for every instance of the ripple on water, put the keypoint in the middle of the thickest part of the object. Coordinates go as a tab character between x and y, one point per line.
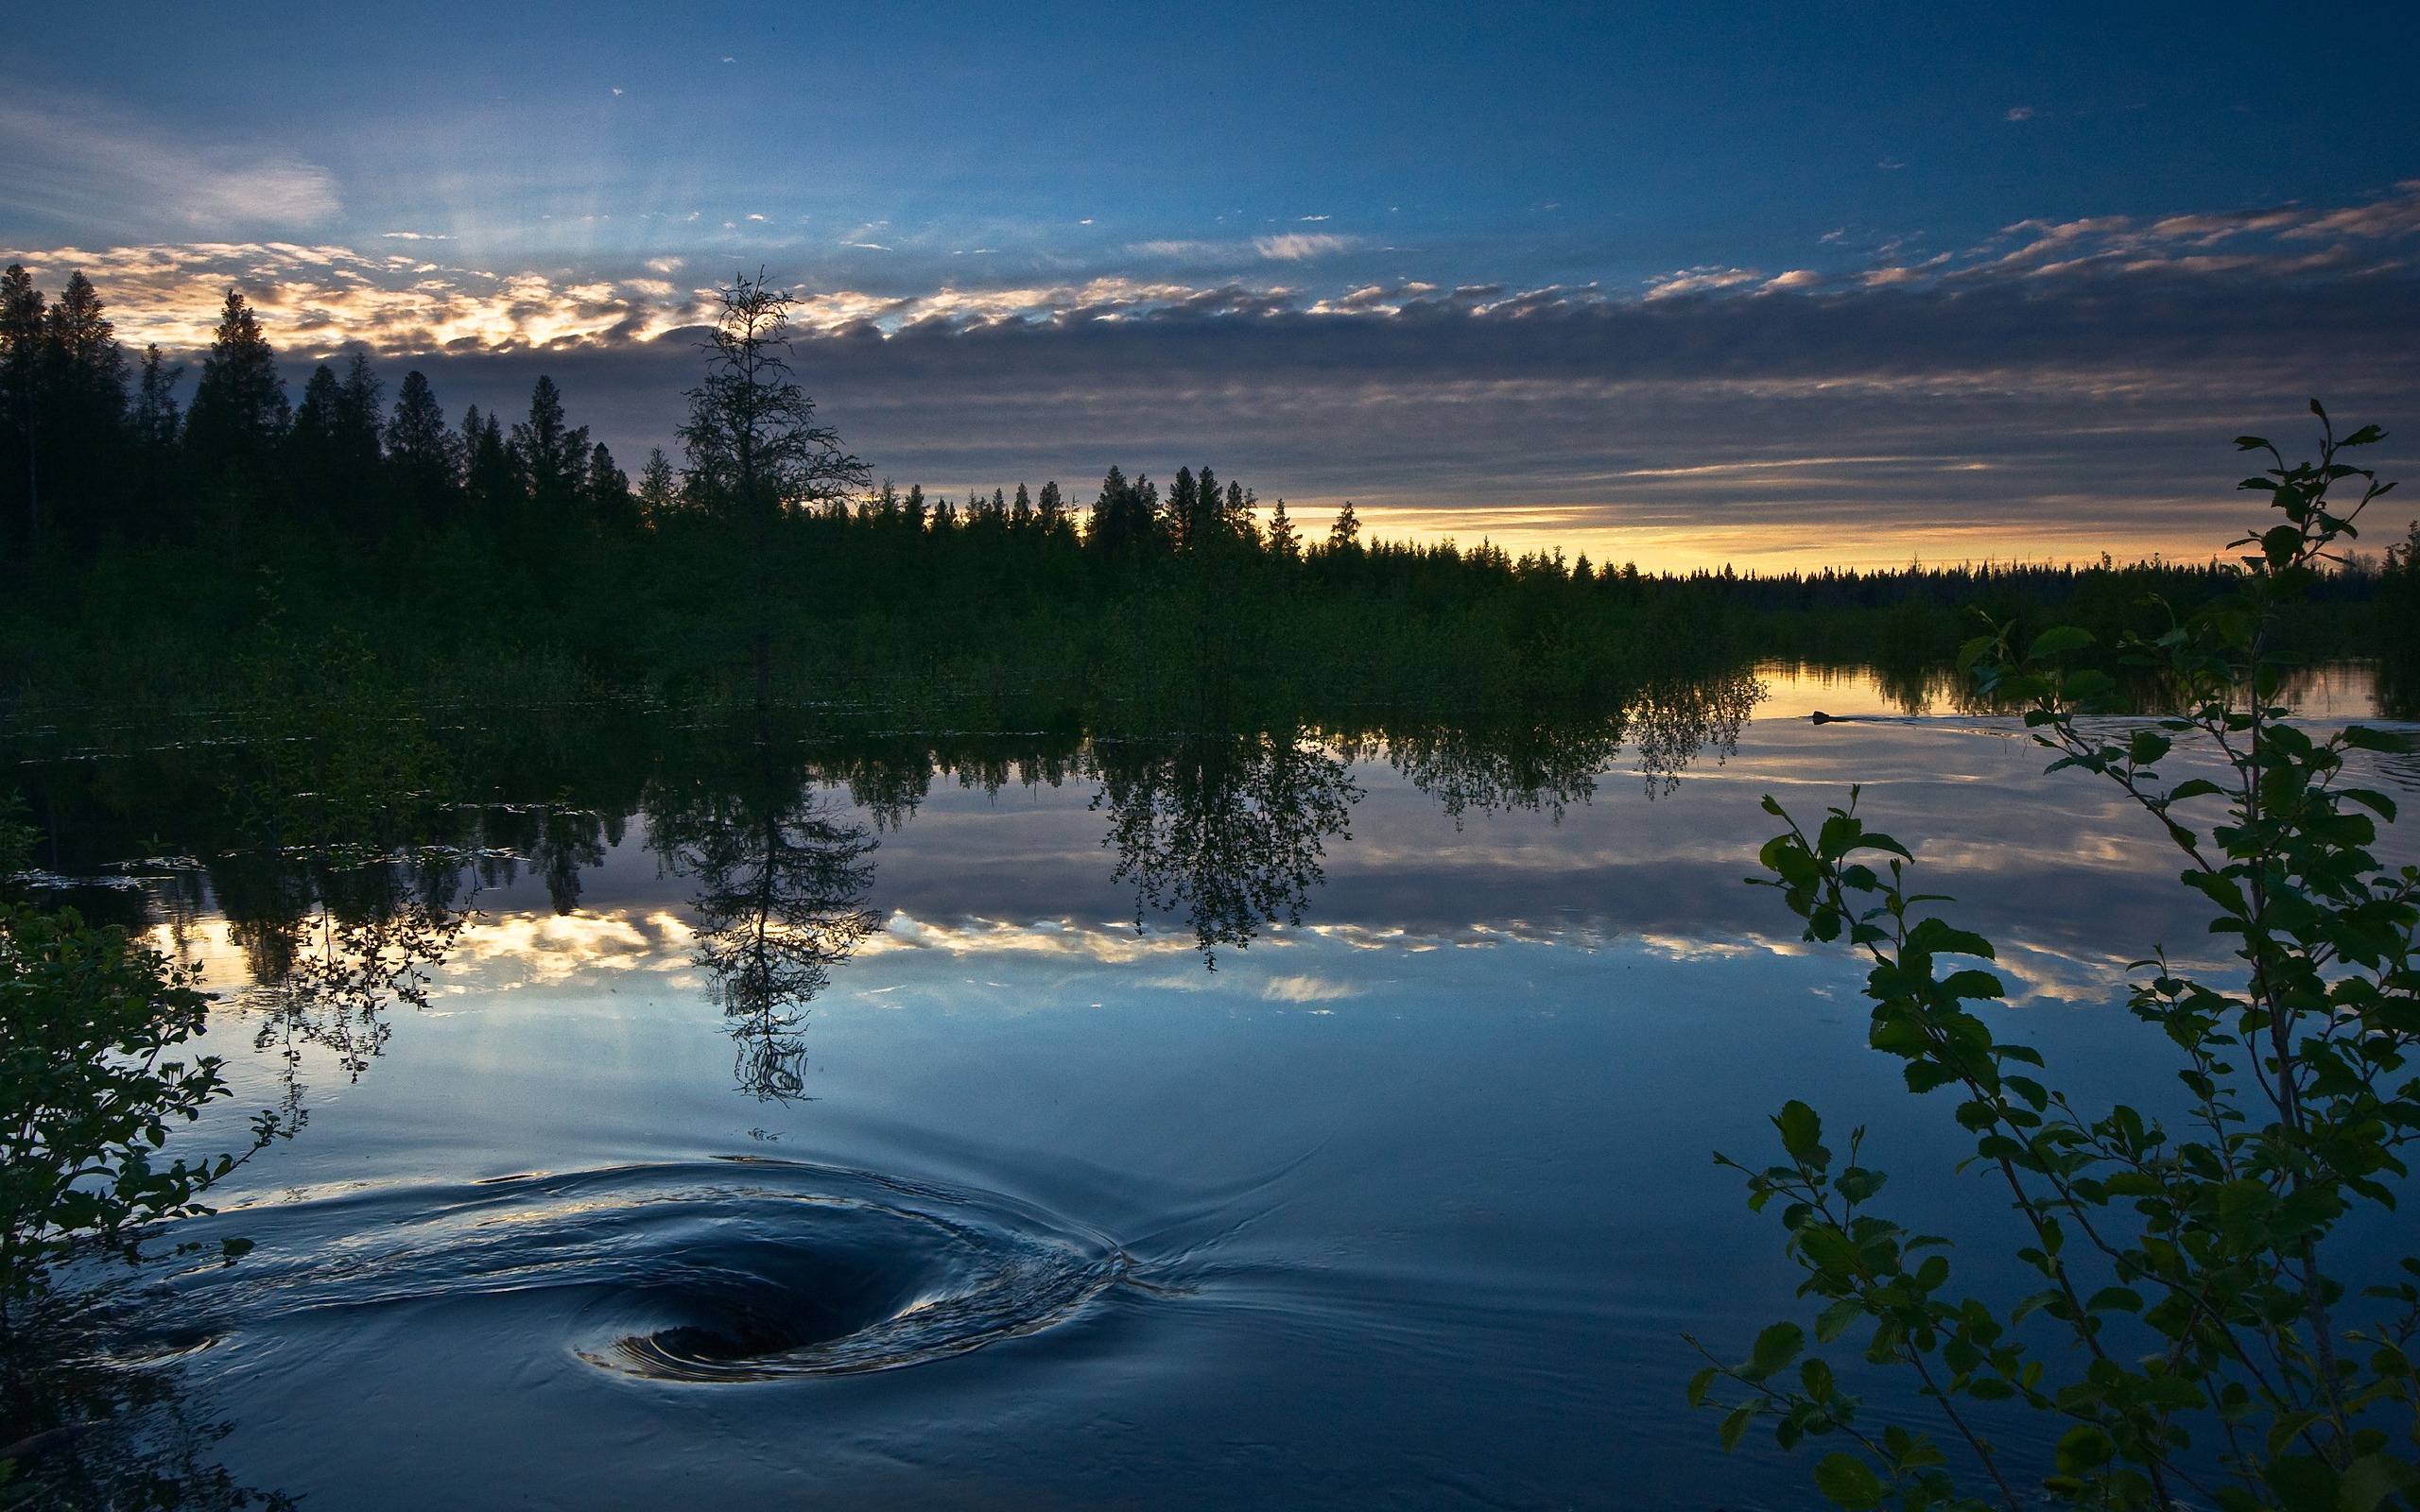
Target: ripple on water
720	1271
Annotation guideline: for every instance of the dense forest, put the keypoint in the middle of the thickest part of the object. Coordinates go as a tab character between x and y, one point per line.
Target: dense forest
203	552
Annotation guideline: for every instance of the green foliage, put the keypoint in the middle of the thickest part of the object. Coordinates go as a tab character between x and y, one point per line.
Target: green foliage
2216	1350
91	1083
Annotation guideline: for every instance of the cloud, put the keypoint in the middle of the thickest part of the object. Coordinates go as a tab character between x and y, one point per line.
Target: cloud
2020	112
2061	387
1296	246
72	161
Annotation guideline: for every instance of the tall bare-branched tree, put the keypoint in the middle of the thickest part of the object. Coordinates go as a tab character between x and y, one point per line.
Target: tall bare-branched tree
755	449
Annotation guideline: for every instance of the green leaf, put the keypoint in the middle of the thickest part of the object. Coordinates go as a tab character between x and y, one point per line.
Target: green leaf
2064	638
1736	1422
1835	1321
2372	1479
1846	1481
1700	1384
2083	1448
1801	1132
1775	1348
2303	1482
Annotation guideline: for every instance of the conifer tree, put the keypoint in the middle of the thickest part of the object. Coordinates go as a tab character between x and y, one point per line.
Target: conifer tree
755	448
659	493
1050	509
84	396
240	412
423	458
548	455
1346	533
311	463
607	489
20	374
1283	542
156	420
1021	508
489	481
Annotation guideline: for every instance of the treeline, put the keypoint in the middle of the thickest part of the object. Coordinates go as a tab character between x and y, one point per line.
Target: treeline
96	446
155	548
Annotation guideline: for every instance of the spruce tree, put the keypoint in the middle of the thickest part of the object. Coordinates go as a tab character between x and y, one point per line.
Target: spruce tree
756	451
1346	533
84	402
312	469
239	414
659	494
490	480
21	375
605	487
423	458
549	455
1283	542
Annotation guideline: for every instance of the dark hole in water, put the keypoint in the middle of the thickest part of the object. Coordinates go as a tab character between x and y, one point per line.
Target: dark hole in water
774	1299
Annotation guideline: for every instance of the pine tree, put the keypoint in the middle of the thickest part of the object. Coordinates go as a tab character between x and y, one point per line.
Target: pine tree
21	375
659	493
156	420
239	413
1021	508
489	481
423	458
1346	533
550	456
607	489
1051	508
1283	542
84	401
360	418
755	448
1183	511
311	465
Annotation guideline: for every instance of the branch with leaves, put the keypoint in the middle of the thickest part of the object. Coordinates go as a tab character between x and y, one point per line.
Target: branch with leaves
2219	1351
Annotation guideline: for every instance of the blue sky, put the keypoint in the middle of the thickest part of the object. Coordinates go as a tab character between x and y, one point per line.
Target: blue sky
486	188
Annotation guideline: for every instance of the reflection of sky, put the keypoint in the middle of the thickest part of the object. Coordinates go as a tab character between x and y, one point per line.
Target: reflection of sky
2060	870
1423	1182
1754	283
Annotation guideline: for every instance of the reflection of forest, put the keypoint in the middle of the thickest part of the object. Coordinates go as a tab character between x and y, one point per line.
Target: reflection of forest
782	879
1227	828
346	893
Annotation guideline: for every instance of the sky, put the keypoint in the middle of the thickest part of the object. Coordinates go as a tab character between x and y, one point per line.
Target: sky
1770	284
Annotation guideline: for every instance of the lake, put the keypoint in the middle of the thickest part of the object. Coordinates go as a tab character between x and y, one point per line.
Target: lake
810	1123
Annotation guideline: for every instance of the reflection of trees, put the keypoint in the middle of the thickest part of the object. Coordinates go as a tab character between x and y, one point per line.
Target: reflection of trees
1547	765
782	882
89	1429
1228	828
330	948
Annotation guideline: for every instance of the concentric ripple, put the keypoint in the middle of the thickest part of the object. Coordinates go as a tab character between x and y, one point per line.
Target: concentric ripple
713	1272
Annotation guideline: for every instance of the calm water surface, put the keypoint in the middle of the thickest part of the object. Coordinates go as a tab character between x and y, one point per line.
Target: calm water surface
767	1148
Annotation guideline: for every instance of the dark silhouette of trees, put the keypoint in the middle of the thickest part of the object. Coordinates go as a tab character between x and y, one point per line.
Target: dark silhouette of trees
423	458
550	456
83	409
21	373
240	412
1125	517
755	446
1229	828
782	882
491	481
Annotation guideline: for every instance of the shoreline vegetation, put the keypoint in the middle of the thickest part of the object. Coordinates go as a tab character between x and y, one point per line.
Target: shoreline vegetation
202	555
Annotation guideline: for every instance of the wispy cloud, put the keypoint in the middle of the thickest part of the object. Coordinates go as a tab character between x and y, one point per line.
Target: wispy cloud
1298	247
77	162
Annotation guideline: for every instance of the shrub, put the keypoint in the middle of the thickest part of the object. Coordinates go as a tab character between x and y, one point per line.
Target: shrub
2220	1352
